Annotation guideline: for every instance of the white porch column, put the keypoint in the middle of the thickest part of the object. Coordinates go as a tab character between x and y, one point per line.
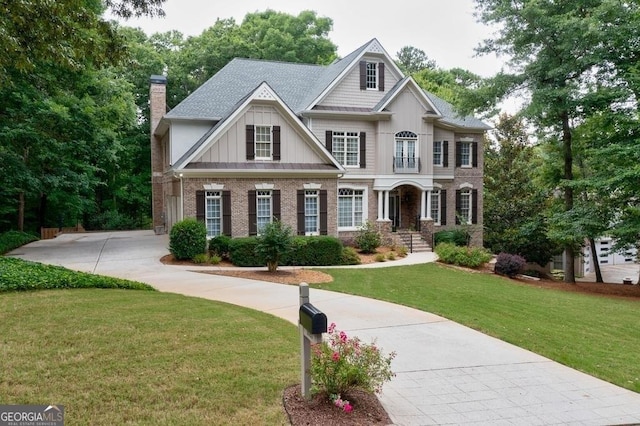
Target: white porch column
386	205
428	206
380	205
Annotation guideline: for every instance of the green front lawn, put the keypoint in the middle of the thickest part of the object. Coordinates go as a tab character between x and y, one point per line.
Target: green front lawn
138	357
597	335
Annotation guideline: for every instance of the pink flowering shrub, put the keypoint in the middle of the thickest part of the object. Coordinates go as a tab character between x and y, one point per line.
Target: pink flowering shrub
344	363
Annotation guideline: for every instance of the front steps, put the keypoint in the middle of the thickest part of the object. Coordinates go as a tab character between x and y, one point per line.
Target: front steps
412	240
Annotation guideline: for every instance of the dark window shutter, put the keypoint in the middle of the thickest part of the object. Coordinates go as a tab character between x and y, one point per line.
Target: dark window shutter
443	207
275	200
458	154
300	207
200	206
363	150
474	154
474	206
253	215
251	151
381	76
328	143
276	142
323	212
226	213
363	75
458	202
445	154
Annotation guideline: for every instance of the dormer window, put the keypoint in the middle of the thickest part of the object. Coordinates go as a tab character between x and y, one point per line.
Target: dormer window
371	75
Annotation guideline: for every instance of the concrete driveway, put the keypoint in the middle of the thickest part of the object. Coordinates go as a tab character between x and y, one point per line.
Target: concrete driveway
445	373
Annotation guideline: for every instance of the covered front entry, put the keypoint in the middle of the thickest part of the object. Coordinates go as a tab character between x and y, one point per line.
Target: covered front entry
404	207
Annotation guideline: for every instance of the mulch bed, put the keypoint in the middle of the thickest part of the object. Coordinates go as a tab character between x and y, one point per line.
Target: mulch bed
318	411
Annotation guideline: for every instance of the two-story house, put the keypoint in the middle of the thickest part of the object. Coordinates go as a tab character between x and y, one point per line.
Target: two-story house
322	148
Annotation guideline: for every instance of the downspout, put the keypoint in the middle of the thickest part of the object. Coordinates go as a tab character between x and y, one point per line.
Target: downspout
181	197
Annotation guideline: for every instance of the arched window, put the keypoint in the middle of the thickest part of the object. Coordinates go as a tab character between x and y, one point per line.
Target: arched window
406	158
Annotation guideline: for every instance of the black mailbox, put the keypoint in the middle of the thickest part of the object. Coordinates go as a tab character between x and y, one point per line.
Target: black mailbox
314	321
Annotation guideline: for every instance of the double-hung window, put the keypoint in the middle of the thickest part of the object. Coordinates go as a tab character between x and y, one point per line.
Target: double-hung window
465	154
372	75
465	206
350	208
437	153
213	213
311	212
264	209
346	148
263	143
435	207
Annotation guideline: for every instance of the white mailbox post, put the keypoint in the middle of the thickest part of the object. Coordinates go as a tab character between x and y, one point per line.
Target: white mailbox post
312	323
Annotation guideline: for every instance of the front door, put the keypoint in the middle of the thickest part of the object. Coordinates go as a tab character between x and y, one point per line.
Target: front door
394	210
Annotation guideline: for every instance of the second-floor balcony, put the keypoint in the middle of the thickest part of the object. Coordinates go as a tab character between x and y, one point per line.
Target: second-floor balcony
406	164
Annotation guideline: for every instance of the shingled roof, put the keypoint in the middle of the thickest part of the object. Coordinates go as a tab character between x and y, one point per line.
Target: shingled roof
298	85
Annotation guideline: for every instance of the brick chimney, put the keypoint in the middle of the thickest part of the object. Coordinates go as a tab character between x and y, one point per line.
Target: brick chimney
157	109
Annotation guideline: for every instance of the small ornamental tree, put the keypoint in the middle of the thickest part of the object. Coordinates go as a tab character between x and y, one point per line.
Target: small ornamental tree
187	239
275	240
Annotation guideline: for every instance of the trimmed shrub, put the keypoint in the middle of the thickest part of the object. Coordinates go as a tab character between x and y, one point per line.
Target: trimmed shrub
315	251
509	264
220	246
349	256
11	240
187	239
458	237
242	252
470	257
380	257
368	238
22	275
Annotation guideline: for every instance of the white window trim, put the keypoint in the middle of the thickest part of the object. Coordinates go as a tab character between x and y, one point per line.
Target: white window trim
317	197
255	142
405	143
436	195
441	162
470	164
207	196
365	206
345	136
377	76
469	191
258	198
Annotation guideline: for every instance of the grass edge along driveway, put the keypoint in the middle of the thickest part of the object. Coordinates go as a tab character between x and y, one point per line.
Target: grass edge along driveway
597	335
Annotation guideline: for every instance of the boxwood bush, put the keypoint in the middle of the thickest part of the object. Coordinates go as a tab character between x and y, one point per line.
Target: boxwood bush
21	275
219	246
470	257
242	252
315	251
187	239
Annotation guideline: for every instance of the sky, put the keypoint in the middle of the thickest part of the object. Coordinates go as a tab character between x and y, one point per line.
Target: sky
445	30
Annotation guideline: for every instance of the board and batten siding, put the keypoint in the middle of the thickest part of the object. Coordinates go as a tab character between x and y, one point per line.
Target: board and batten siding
348	92
231	146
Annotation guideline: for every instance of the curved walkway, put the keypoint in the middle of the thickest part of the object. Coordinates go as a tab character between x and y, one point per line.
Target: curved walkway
445	373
